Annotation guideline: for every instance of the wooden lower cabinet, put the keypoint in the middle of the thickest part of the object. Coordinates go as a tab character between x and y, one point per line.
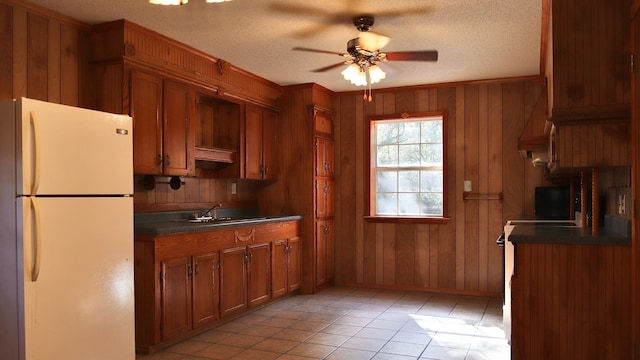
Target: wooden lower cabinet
244	274
571	302
184	283
285	266
205	289
233	280
189	295
176	292
324	252
259	282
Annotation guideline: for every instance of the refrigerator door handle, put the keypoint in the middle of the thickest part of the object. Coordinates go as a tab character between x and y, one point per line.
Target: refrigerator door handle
35	182
35	272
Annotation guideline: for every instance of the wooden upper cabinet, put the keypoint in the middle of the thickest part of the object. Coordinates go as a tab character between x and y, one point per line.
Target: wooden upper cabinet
178	132
324	156
588	60
588	84
322	123
269	145
260	144
163	137
325	190
146	111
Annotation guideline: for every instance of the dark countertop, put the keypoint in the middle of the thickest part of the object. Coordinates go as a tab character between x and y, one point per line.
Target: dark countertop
181	226
574	235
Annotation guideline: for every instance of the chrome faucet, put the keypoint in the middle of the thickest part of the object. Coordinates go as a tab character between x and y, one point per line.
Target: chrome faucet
208	212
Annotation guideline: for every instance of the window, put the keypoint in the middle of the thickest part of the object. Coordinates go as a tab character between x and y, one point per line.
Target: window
407	169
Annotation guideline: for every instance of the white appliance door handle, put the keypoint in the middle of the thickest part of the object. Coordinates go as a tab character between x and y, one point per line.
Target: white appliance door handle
35	271
35	182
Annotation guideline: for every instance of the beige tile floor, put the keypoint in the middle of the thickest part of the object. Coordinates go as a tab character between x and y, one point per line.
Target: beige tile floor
356	323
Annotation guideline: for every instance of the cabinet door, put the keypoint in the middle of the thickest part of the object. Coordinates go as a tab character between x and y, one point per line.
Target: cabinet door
146	110
176	297
321	253
324	252
253	142
324	197
179	135
260	144
329	259
269	145
233	281
259	274
294	268
279	268
324	157
205	289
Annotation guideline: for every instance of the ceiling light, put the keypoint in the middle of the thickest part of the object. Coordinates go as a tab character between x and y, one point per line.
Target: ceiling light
362	75
376	74
355	74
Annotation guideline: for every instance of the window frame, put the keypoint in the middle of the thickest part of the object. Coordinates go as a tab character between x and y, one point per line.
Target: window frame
369	185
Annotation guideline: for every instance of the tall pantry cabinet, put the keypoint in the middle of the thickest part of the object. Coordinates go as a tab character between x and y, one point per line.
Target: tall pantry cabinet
306	181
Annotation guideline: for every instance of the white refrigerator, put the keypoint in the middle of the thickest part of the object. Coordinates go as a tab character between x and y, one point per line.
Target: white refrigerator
66	233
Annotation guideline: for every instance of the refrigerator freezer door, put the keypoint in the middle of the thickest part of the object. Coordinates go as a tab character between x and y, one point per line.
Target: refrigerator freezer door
82	305
63	150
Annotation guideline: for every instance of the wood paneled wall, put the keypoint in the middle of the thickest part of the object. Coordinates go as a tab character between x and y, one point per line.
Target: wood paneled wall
483	126
195	193
44	55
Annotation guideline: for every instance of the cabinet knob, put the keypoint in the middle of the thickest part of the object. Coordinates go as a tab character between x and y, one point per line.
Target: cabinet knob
159	159
189	271
197	268
168	160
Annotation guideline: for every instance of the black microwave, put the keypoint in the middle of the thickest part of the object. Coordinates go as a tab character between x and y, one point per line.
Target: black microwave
552	202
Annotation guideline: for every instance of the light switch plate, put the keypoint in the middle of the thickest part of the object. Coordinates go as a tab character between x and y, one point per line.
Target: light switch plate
467	186
234	188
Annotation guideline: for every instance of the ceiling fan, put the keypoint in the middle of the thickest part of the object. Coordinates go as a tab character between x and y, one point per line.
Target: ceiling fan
364	53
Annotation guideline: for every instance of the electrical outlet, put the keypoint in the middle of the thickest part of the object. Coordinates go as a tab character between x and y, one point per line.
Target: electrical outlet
622	206
234	188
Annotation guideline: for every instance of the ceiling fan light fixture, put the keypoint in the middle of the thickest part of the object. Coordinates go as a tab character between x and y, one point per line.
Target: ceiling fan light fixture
355	75
376	74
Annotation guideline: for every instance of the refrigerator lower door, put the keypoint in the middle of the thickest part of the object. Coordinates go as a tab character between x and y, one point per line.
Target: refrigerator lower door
78	277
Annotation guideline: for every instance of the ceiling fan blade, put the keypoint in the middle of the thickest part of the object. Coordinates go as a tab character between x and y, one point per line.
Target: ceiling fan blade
425	55
404	12
300	48
372	41
298	9
329	67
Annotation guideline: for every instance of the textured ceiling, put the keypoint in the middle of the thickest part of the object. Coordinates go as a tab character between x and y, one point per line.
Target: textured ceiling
476	39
